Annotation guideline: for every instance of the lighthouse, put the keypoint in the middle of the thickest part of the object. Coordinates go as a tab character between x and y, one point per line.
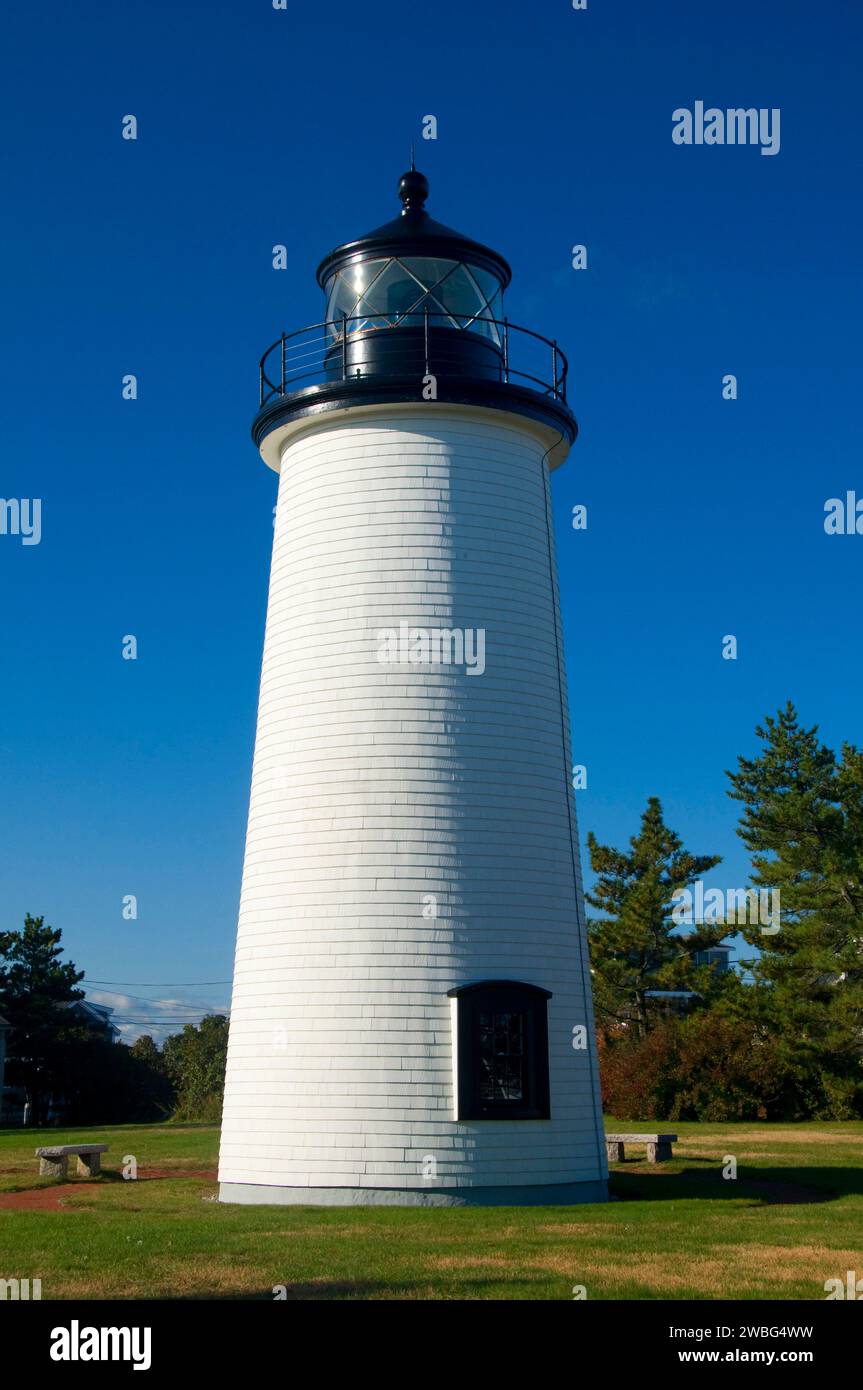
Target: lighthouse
411	1021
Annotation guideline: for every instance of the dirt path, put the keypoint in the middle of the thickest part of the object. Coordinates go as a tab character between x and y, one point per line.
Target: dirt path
38	1198
53	1198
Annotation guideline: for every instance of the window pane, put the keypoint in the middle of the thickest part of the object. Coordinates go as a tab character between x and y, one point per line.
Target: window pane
460	295
362	276
488	283
510	1081
501	1057
341	300
393	292
428	269
345	289
396	291
438	316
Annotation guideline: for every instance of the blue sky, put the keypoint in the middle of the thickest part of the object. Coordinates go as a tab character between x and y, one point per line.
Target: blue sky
258	127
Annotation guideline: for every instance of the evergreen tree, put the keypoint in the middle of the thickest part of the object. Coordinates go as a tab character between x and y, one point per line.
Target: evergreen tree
803	823
632	948
34	983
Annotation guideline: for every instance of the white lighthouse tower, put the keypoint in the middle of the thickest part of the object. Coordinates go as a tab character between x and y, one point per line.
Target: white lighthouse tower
412	1019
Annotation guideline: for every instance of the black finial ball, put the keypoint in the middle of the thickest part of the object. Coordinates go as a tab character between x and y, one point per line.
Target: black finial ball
413	190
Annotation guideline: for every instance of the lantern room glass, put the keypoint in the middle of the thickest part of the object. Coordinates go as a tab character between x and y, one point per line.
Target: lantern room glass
395	291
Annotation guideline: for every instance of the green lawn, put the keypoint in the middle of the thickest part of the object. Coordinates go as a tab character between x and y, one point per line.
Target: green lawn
792	1218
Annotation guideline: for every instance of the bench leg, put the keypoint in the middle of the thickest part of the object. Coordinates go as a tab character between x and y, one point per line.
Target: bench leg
53	1167
659	1153
89	1165
614	1150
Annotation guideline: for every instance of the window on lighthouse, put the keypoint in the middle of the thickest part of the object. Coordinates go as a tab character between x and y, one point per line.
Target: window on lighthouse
502	1056
395	292
501	1049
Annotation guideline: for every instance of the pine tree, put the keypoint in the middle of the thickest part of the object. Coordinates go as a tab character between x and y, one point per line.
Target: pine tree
803	823
632	948
33	985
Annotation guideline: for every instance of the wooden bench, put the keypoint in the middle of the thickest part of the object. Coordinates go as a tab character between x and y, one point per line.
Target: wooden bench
53	1159
658	1146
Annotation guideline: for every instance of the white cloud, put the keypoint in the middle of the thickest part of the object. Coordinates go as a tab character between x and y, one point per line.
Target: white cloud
136	1016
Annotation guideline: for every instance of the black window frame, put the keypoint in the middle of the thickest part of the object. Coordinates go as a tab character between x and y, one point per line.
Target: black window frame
496	996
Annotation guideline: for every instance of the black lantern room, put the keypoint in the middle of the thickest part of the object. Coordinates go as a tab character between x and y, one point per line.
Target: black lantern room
412	302
414	273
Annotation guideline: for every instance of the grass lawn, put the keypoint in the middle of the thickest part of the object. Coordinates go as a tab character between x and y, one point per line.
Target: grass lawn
792	1218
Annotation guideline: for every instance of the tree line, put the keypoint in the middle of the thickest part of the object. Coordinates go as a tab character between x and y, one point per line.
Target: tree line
67	1073
782	1036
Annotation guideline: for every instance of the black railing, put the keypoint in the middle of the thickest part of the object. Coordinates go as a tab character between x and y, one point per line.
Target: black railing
427	344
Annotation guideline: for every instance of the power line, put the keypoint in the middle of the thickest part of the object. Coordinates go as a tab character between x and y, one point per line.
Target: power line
156	984
163	1022
159	1022
175	1003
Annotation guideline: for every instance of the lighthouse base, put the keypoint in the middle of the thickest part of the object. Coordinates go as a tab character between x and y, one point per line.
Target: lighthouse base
532	1195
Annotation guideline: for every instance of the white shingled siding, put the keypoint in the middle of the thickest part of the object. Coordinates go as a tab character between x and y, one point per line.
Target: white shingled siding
375	785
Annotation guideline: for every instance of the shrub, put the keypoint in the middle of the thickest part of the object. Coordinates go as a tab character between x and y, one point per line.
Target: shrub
709	1066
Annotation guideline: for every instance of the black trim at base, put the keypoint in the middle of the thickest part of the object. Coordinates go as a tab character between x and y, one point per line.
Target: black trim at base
322	399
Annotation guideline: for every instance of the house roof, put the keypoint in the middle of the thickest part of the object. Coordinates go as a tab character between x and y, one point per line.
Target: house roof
96	1013
103	1010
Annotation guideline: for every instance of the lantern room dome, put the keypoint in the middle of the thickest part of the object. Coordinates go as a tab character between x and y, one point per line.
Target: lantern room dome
392	275
414	312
